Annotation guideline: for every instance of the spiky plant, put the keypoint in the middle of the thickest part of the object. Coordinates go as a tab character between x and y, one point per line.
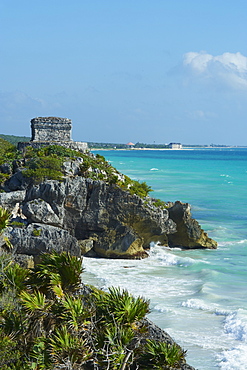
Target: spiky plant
4	219
121	306
37	308
65	346
74	313
161	355
57	270
4	222
14	277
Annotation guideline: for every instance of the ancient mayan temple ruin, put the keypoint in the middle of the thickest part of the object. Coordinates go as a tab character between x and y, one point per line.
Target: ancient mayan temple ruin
52	131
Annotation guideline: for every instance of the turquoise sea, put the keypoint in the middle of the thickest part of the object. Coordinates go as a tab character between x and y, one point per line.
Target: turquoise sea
198	296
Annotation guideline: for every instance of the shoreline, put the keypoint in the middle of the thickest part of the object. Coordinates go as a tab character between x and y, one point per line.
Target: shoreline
169	149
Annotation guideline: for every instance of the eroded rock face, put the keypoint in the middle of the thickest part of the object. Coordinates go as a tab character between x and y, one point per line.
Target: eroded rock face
38	210
9	200
118	223
38	238
106	220
189	233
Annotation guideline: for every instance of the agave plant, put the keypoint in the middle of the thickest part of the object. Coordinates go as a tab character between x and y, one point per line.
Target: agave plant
117	313
161	355
65	346
121	306
12	323
4	222
38	312
4	219
14	277
62	271
74	313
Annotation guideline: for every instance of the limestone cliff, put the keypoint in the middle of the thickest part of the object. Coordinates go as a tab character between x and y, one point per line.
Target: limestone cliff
189	233
101	219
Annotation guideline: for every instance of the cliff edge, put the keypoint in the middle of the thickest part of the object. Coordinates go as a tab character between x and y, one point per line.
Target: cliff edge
97	218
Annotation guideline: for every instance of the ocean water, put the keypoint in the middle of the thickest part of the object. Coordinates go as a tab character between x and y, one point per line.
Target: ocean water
200	296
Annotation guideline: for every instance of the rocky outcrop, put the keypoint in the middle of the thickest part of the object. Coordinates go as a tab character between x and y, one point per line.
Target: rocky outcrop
81	214
189	233
40	211
38	238
119	224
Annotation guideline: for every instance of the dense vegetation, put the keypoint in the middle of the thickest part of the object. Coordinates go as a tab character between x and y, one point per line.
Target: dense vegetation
7	151
49	321
14	139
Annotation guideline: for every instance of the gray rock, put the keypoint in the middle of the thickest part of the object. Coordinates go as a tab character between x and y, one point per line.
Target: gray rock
119	223
16	182
9	200
86	246
38	210
40	238
189	233
24	260
72	167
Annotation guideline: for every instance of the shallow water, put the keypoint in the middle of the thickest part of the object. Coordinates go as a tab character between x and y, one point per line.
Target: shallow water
197	296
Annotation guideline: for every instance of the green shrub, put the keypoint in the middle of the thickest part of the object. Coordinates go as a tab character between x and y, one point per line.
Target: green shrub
140	188
160	203
7	151
36	232
161	355
50	323
120	306
17	224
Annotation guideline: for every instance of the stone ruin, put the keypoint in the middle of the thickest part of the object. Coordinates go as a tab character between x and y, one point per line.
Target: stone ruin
52	131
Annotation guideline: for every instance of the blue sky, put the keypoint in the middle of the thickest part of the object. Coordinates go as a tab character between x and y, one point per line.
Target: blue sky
148	71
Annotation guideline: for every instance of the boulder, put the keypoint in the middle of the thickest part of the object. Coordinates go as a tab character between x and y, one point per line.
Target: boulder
72	167
86	246
38	210
39	238
16	182
189	233
9	200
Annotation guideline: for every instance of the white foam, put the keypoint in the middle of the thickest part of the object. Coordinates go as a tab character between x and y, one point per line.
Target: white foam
233	359
171	256
199	305
154	169
236	327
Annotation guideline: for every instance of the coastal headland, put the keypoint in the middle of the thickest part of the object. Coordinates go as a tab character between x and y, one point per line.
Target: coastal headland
66	200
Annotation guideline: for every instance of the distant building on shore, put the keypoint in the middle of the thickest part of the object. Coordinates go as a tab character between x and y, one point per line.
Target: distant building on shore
130	145
175	146
52	131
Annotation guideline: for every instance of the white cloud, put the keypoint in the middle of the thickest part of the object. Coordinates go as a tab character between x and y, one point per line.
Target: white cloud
229	68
